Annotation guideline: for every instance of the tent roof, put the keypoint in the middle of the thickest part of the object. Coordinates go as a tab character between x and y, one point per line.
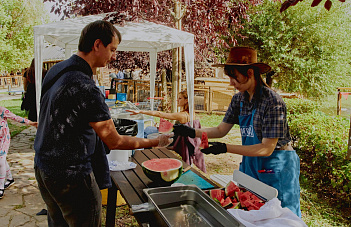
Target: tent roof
142	36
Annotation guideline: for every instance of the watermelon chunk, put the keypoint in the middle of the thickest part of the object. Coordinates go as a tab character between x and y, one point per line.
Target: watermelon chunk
227	203
250	206
234	206
165	126
231	188
217	194
204	140
245	196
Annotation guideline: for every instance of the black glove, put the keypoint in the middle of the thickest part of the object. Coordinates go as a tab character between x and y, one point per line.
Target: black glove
183	130
216	148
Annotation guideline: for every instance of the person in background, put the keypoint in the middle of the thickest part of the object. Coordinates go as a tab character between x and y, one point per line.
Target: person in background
120	76
5	139
29	98
188	148
75	125
261	113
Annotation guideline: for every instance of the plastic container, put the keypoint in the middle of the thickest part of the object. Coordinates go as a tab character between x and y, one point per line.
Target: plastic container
121	96
119	155
118	111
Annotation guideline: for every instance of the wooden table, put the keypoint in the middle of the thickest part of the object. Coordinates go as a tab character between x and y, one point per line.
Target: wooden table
132	182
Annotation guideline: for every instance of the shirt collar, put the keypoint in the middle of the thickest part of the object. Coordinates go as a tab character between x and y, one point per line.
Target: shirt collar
83	64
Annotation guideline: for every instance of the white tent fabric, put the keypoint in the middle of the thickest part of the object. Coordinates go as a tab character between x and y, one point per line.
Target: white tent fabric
141	37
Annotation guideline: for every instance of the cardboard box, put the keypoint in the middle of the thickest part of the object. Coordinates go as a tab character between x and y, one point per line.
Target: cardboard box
112	96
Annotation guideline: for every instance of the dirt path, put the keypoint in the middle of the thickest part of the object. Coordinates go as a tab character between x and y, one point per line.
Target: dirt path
224	163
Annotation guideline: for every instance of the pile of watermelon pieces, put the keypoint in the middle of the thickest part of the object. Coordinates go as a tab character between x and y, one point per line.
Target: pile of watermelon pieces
234	197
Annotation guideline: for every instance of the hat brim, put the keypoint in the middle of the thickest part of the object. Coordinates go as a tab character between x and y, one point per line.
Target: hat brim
264	68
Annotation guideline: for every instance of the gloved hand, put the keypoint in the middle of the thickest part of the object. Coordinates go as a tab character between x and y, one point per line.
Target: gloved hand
164	140
183	130
216	148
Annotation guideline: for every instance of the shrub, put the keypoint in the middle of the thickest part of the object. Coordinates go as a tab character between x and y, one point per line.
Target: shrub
300	106
321	142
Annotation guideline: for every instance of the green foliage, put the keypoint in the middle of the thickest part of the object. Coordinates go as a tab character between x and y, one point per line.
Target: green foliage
300	106
307	47
17	19
321	142
14	105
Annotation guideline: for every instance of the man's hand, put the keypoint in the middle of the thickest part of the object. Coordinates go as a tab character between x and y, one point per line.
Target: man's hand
216	148
164	140
183	130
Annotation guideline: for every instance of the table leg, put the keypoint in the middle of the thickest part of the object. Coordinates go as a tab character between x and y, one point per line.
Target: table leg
111	206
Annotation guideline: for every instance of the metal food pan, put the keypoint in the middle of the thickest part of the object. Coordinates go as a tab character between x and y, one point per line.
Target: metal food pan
188	206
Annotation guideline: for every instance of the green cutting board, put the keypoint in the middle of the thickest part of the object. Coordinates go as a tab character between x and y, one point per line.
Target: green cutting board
189	177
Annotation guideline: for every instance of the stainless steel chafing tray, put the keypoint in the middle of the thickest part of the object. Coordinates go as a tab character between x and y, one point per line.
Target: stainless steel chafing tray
187	206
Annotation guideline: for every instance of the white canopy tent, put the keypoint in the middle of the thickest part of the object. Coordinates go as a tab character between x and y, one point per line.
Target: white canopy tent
141	37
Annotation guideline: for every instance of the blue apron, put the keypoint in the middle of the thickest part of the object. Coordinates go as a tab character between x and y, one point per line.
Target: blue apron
280	170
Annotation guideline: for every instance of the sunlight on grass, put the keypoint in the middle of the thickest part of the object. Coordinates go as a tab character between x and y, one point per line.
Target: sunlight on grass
14	105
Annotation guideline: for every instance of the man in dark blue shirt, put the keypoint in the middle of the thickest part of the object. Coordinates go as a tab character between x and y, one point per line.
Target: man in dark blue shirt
73	116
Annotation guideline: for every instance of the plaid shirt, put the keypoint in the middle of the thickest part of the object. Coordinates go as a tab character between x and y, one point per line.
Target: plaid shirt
269	120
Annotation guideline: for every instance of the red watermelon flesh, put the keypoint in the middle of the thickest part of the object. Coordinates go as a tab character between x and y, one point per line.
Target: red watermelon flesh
234	200
227	203
204	140
221	202
231	188
160	164
165	126
217	194
245	196
250	206
234	197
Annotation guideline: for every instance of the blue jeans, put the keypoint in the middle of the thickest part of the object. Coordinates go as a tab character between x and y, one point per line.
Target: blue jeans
75	203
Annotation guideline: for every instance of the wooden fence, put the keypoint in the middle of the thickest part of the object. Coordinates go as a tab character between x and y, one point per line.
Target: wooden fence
11	81
341	91
207	99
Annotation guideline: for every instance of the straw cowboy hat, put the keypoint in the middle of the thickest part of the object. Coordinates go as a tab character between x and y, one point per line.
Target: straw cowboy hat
242	56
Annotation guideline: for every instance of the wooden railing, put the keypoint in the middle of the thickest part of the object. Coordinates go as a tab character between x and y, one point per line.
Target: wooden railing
341	91
11	81
208	99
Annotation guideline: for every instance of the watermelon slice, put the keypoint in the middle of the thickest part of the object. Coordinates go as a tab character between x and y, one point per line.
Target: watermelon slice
165	126
227	203
217	194
204	140
245	196
231	188
234	206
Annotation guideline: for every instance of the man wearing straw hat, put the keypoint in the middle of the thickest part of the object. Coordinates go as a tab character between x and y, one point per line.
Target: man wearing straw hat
261	114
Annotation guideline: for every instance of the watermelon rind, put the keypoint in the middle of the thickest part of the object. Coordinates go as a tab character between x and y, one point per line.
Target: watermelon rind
167	176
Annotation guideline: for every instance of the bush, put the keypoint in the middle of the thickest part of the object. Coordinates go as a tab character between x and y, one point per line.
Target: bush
321	142
300	106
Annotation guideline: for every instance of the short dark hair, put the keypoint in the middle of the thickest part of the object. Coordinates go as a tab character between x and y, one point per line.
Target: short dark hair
99	29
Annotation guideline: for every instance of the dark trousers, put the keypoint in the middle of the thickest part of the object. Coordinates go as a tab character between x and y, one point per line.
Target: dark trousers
75	203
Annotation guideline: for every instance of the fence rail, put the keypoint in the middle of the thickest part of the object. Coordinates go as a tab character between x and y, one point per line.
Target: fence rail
207	99
11	81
